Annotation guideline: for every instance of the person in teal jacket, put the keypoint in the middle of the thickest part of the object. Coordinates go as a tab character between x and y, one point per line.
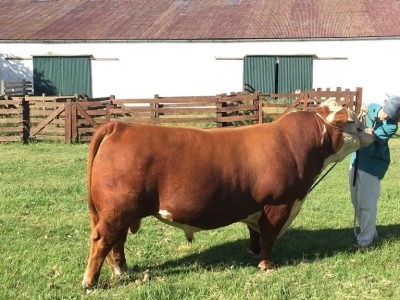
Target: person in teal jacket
370	167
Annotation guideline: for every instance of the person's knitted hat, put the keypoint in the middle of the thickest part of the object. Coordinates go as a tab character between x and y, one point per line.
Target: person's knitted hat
392	107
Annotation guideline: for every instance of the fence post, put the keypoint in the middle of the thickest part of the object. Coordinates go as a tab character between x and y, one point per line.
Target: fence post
25	120
74	122
258	102
219	105
305	101
67	125
358	99
23	87
338	98
108	113
2	87
156	114
109	107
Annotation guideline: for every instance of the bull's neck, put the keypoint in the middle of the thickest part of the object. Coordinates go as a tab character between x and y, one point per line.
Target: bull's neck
332	142
320	144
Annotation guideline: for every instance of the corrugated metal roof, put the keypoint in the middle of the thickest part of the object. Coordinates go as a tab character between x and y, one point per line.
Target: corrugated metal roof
197	20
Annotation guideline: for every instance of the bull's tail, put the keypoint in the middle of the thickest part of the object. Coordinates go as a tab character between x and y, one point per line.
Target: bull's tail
97	139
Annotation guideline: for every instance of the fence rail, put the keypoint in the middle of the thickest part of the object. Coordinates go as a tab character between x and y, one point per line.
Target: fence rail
16	88
70	119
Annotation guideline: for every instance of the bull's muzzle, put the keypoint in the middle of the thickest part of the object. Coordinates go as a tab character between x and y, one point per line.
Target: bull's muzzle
366	136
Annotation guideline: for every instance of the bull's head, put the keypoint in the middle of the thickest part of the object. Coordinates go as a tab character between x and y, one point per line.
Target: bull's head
355	134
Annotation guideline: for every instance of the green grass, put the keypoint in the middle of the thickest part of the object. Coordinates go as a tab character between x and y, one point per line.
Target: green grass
44	230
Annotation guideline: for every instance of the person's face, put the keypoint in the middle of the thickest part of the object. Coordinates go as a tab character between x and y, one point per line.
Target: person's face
382	115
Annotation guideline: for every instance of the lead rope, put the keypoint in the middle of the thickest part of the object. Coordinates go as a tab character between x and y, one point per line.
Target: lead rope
323	176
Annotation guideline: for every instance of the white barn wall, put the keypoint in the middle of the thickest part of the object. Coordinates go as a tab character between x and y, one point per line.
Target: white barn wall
184	69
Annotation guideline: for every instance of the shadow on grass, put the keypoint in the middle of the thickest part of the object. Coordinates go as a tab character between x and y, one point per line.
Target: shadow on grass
296	246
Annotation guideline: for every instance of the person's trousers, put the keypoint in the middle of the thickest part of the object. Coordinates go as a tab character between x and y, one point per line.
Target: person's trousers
364	196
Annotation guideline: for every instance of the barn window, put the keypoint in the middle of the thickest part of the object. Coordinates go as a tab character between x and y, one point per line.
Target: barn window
277	74
62	75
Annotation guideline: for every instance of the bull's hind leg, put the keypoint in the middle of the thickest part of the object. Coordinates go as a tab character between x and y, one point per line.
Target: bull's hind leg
103	238
116	257
254	241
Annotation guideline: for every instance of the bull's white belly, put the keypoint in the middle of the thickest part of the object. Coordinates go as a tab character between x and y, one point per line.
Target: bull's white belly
166	217
252	221
293	214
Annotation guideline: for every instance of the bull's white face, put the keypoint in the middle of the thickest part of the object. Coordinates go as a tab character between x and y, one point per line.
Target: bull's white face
355	134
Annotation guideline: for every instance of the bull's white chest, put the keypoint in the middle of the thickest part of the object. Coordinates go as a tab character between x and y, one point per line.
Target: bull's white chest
252	220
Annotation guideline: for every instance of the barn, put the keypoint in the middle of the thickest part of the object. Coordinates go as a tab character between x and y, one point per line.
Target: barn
140	48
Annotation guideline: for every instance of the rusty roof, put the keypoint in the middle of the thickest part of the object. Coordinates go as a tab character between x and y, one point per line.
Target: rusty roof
197	19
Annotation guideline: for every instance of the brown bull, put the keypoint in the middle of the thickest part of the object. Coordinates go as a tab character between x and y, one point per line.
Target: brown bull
203	179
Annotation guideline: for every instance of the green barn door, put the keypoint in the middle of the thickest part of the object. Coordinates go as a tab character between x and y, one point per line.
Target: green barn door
277	74
259	73
62	75
295	73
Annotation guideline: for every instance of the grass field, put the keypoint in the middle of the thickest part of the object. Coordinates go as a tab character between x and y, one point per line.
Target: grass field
44	230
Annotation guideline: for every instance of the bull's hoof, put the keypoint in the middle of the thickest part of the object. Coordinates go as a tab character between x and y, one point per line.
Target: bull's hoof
88	285
117	271
265	265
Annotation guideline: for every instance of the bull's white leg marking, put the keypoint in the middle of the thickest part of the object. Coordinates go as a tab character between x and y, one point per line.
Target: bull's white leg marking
166	217
252	221
84	279
293	214
116	271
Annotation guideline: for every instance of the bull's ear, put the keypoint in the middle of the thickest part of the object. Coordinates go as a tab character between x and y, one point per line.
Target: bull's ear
339	118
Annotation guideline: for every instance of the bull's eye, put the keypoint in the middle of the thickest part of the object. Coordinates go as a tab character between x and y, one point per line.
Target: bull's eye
359	129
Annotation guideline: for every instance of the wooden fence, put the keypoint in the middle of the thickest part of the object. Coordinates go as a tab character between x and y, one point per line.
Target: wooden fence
72	120
16	88
14	124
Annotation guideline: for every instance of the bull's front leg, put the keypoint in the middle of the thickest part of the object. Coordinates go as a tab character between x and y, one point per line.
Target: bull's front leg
271	223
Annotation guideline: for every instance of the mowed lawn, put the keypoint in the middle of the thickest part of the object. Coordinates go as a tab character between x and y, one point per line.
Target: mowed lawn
44	230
